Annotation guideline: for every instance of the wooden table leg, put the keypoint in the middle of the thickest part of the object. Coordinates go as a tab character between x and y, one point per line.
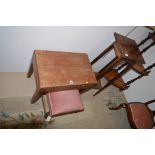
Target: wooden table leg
110	82
37	94
102	72
30	70
109	48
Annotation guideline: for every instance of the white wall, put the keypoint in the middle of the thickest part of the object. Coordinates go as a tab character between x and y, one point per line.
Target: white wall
18	43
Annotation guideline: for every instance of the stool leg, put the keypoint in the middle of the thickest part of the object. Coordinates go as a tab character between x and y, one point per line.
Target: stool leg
46	112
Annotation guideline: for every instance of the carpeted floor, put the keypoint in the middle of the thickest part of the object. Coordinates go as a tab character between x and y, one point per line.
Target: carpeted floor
95	116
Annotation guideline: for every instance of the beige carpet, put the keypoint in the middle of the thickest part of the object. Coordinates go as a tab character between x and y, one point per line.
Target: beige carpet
95	116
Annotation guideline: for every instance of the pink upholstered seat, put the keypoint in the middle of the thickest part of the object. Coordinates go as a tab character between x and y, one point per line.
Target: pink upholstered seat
141	116
63	102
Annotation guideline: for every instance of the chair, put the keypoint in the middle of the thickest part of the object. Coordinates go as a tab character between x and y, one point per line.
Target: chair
140	116
63	102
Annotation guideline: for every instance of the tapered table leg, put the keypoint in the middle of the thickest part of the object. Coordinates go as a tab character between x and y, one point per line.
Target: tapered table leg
37	94
30	70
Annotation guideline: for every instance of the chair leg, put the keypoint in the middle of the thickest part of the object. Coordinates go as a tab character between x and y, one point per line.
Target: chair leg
118	107
153	113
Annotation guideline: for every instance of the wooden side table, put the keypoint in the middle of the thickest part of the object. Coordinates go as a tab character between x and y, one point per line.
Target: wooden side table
127	57
55	71
126	52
